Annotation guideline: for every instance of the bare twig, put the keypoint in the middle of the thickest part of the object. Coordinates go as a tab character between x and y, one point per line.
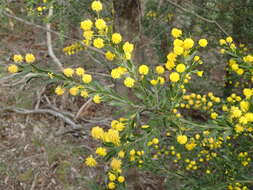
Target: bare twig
39	111
39	94
84	106
49	42
199	16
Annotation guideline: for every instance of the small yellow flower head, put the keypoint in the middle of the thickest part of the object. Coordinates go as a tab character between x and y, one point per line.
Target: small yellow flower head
100	24
154	82
247	92
59	90
182	139
68	72
121	179
222	42
178	42
244	105
176	33
143	69
84	93
86	25
116	38
98	43
29	58
121	154
115	164
74	91
80	71
160	70
90	161
174	77
96	6
97	99
129	82
128	47
87	78
17	58
178	50
161	80
12	68
155	140
203	42
196	58
180	68
113	136
188	43
229	39
109	56
200	73
111	185
88	35
214	115
97	132
101	151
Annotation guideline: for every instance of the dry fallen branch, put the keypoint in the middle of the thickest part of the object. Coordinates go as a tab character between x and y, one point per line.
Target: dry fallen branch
84	106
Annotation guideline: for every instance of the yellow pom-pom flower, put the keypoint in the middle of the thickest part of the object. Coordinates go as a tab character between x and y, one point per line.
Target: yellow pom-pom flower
96	6
12	68
74	91
97	132
174	77
101	151
109	56
128	47
129	82
121	179
100	24
98	43
203	42
97	99
17	58
176	33
68	72
116	38
188	43
143	69
111	185
182	139
80	71
160	70
115	164
59	90
84	93
86	25
180	68
29	58
87	78
90	161
178	50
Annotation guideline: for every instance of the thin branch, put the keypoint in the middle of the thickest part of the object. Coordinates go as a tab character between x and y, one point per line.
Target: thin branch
49	42
199	16
84	106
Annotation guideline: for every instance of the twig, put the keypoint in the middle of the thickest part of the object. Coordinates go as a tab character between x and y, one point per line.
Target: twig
48	111
49	42
84	106
199	16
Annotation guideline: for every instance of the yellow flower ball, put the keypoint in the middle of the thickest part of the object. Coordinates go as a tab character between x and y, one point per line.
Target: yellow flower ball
101	151
87	78
86	25
176	33
182	139
128	47
116	38
121	179
203	42
97	99
80	71
115	164
17	58
73	91
96	6
90	161
174	77
129	82
188	43
109	56
111	185
84	93
59	90
222	42
160	70
97	132
29	58
229	39
12	68
143	69
68	72
155	140
178	42
180	68
178	50
98	43
100	24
